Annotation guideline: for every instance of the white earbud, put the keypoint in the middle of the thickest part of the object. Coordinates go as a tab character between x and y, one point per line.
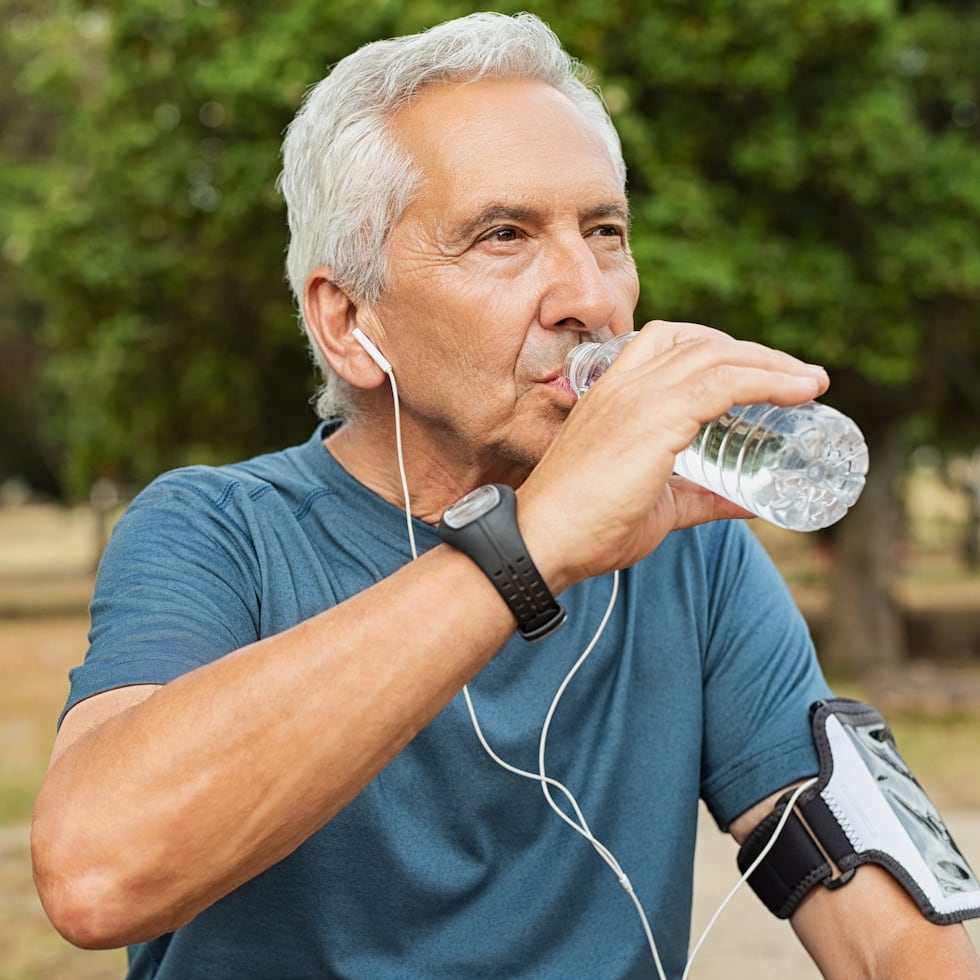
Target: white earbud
373	351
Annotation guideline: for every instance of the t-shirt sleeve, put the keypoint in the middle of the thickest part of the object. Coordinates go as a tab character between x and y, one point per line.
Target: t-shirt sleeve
176	589
760	676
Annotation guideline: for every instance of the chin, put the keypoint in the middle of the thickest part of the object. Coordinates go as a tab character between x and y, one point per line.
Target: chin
529	451
524	440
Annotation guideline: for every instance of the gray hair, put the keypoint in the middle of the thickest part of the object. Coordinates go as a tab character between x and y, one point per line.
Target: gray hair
346	181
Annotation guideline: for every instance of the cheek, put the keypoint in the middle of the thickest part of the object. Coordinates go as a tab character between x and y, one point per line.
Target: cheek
480	330
458	323
628	281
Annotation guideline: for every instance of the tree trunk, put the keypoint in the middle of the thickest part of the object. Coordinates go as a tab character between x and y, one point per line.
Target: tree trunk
863	627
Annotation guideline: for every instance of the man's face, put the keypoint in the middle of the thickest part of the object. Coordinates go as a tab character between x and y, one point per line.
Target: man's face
514	247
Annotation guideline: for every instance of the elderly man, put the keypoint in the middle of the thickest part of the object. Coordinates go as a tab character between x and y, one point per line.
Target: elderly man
270	764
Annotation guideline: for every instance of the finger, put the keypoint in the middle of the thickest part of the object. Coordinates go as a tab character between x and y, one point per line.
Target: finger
709	392
691	344
639	407
702	378
695	505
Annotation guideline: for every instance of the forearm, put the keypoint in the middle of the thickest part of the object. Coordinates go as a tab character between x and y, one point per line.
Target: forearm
163	809
877	933
939	951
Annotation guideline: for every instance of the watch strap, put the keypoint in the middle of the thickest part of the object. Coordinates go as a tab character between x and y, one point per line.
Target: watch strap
493	541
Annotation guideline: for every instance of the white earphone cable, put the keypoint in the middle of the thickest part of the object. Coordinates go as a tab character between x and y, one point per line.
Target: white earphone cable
401	464
748	871
579	824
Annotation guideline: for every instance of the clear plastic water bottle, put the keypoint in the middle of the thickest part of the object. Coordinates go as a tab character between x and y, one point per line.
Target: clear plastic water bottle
801	467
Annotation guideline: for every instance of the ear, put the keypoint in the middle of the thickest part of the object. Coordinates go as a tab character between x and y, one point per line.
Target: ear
332	316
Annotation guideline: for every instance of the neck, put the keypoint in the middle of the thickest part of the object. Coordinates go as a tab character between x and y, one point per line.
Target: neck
437	475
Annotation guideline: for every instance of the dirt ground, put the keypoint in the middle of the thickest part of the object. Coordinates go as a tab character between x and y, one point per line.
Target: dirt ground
35	655
45	578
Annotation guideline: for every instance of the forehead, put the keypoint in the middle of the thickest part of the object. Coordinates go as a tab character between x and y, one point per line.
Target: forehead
504	139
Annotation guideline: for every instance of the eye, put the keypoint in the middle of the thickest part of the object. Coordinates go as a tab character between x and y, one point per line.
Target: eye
608	231
504	234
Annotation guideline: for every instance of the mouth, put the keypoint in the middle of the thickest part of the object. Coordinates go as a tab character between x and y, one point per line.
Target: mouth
557	381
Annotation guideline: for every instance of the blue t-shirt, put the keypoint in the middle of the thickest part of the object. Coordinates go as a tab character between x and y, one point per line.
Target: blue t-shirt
446	866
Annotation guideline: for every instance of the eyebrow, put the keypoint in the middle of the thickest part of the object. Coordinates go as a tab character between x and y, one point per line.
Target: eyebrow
614	210
487	216
495	212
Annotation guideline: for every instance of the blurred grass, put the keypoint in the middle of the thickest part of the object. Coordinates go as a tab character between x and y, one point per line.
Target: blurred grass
35	655
943	751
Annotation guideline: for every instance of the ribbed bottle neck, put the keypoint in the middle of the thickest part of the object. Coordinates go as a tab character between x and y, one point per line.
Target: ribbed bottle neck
587	362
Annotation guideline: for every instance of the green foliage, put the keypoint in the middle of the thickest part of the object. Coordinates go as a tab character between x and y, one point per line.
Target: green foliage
806	174
32	106
168	332
795	179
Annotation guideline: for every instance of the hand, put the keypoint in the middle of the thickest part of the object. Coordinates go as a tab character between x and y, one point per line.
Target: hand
603	495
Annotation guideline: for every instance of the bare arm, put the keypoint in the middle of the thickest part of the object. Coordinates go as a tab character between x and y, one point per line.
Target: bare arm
161	800
871	929
229	768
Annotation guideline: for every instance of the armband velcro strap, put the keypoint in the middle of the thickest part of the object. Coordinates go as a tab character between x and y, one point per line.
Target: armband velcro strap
799	859
865	806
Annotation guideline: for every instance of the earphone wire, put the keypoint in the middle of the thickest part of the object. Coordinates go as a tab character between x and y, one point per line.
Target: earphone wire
547	782
787	813
401	464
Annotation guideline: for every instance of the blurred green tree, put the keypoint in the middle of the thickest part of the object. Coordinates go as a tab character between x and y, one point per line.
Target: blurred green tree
803	174
154	240
33	107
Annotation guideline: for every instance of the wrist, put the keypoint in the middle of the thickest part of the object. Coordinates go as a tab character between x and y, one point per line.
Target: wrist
546	543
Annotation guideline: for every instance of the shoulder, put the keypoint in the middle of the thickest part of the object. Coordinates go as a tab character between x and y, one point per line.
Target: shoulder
288	479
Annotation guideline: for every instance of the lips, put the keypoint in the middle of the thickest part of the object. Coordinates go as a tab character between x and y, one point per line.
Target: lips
556	380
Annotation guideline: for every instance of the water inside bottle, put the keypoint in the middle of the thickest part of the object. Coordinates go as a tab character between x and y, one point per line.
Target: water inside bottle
804	480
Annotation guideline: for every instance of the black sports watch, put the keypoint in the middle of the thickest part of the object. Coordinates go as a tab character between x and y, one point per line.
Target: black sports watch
483	525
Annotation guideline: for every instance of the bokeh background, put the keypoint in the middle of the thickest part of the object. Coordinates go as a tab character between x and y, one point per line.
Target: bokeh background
804	174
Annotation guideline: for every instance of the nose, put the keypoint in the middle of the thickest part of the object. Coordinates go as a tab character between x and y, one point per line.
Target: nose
577	294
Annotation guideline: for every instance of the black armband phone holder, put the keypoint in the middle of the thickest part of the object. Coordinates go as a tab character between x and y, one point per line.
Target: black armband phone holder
866	806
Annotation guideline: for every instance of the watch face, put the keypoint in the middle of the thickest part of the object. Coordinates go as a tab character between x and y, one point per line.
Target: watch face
475	504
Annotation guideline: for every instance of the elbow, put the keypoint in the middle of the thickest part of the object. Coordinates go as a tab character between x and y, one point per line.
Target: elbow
78	914
87	905
76	903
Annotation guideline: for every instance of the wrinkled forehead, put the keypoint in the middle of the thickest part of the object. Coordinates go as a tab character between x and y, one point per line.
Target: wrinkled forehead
512	140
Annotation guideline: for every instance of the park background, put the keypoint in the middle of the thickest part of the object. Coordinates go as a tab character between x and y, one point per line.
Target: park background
803	174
